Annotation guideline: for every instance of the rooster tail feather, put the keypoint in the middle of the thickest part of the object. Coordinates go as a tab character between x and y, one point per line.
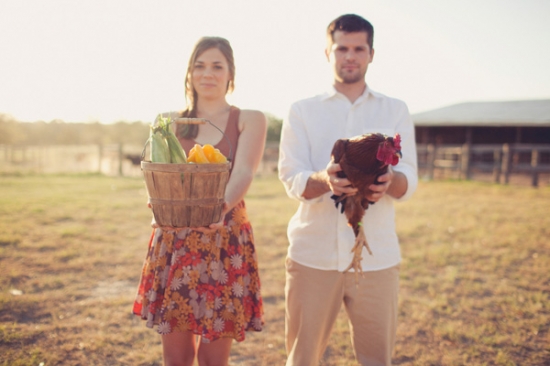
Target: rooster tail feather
339	200
343	205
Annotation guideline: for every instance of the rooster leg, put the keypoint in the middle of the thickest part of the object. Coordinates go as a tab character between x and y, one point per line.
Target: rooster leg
357	250
361	241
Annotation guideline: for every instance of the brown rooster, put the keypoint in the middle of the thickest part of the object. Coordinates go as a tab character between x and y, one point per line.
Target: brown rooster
362	159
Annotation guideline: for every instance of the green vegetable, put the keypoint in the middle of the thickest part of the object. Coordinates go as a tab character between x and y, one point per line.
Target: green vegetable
159	148
174	151
177	155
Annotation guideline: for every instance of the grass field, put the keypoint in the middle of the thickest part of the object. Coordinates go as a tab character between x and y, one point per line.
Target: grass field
475	282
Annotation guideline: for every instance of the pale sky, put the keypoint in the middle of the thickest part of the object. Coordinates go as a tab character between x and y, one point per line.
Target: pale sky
124	60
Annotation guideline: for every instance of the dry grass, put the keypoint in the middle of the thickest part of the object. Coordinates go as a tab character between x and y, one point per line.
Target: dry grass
474	280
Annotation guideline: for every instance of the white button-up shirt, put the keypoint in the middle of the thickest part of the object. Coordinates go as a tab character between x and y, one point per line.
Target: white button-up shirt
318	233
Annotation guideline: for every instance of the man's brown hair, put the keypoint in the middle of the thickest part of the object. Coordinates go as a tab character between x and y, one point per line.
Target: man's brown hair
350	23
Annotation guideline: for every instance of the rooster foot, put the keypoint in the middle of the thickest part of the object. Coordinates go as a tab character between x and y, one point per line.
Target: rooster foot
357	250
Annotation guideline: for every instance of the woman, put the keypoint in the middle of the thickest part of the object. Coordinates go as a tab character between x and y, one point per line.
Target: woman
202	284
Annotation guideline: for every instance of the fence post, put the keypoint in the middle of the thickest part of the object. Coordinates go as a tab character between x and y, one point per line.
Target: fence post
39	157
534	163
506	162
430	159
120	159
465	162
497	167
100	157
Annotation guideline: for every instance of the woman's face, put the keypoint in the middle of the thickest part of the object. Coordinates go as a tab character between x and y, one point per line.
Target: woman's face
210	74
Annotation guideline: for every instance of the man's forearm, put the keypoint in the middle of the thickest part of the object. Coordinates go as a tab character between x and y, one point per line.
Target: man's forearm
316	185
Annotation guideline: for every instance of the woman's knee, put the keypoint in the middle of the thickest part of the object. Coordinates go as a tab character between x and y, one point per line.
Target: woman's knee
215	353
178	349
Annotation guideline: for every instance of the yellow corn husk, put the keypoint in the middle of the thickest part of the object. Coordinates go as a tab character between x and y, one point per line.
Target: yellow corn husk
209	152
159	148
191	156
177	155
205	154
199	157
219	157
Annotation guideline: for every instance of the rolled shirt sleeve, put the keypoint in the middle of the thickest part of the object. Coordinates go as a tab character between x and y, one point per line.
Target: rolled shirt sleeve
408	163
295	166
319	234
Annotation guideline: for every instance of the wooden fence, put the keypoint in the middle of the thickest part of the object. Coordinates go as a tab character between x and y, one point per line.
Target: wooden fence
112	159
501	161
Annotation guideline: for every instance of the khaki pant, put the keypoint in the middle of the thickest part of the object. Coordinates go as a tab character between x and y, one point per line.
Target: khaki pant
313	300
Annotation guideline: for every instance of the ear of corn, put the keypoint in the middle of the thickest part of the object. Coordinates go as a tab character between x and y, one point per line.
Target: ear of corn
177	155
159	148
166	148
173	147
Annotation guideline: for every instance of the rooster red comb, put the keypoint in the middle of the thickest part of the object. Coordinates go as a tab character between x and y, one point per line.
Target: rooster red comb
397	141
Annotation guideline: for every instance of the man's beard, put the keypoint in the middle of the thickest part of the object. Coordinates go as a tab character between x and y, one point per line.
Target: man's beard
351	79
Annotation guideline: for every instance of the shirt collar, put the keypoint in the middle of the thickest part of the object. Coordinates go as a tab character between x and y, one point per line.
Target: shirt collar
332	93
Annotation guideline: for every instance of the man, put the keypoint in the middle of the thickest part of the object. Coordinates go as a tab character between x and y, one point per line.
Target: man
320	239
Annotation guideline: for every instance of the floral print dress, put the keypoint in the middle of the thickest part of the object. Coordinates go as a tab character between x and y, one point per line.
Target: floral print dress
204	283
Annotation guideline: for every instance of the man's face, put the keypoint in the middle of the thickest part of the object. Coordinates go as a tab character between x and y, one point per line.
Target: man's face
350	56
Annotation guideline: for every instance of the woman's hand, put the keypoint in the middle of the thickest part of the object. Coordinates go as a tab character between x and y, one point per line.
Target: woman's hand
155	225
204	229
216	225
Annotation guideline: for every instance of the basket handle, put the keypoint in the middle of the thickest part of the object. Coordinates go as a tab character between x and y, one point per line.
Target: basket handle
202	121
144	148
193	121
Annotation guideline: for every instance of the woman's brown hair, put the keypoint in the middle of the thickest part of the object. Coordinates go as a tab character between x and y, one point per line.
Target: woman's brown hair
203	44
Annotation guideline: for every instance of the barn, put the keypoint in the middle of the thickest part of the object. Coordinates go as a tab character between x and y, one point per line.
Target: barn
519	122
506	138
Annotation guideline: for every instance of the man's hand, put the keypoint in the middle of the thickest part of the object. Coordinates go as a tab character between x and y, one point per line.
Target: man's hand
379	190
338	186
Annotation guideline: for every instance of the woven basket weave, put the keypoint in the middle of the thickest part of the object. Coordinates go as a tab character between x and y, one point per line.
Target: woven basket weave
186	195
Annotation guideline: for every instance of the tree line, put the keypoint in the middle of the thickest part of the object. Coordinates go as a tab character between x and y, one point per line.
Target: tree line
58	132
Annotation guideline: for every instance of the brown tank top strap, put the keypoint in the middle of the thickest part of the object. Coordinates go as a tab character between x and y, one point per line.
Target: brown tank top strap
231	133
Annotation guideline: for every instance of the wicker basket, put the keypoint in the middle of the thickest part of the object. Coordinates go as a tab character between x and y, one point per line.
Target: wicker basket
186	195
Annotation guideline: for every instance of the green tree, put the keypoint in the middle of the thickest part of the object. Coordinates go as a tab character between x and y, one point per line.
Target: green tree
274	126
8	129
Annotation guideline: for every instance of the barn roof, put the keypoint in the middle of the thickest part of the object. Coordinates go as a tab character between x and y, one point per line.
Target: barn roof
524	113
